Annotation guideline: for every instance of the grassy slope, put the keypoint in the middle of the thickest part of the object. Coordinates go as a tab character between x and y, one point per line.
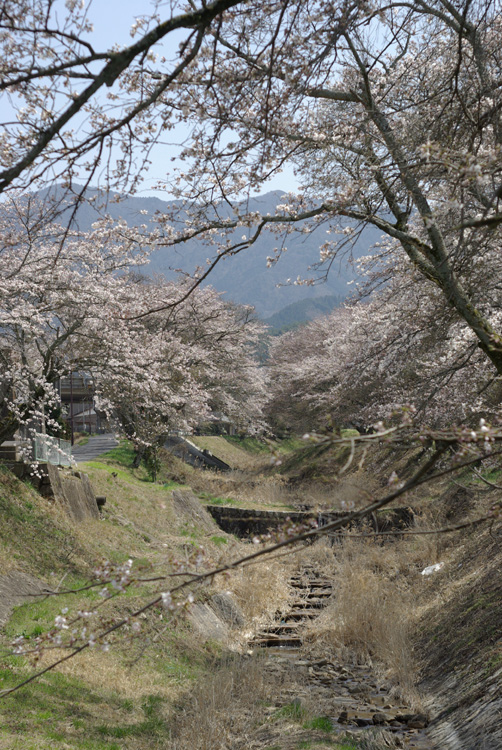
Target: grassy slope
245	453
253	483
100	702
106	700
124	697
99	699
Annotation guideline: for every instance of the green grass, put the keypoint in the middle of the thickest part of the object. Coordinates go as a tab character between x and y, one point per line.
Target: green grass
179	669
319	722
256	446
191	532
171	485
152	725
491	475
123	454
493	663
349	433
206	497
34	618
110	468
119	459
62	709
58	710
219	540
293	711
25	525
288	445
249	444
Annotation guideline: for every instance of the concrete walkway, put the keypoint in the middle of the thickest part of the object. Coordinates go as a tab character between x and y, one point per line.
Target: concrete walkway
97	445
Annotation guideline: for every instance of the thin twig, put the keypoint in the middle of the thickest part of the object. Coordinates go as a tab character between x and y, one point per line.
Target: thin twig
416	532
486	481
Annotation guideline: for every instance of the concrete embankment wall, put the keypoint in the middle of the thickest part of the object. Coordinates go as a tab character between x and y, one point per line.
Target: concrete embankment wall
73	491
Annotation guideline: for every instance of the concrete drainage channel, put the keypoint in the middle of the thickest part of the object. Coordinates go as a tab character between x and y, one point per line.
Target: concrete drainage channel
354	701
358	702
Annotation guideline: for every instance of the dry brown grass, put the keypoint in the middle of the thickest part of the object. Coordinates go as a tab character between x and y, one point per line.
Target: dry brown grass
223	707
249	489
261	590
371	613
254	489
267	491
232	454
98	669
259	489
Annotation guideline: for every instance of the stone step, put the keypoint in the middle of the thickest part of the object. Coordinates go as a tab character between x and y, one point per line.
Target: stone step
269	641
283	628
310	584
310	604
300	615
319	593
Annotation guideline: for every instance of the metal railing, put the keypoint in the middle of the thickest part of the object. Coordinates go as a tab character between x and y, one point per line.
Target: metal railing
51	450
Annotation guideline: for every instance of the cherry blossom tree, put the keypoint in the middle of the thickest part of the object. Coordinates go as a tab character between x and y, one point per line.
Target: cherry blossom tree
72	104
78	307
362	363
49	297
390	111
172	371
302	371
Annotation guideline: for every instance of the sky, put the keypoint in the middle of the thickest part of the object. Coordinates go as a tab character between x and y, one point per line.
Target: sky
112	21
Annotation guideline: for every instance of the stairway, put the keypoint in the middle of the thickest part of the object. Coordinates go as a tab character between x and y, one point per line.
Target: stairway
312	593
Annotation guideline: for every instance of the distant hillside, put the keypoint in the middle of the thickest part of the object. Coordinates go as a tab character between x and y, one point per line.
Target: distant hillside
244	278
301	312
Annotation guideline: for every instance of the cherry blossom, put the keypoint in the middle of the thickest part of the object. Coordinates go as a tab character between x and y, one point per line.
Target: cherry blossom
78	306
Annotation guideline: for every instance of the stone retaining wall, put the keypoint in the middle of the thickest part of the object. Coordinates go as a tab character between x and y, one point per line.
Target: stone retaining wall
71	489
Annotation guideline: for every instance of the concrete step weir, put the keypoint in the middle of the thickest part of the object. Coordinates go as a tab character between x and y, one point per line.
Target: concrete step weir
245	522
286	631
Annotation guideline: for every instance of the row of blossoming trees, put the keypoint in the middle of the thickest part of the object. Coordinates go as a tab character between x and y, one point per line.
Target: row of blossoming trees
164	361
363	362
76	302
390	113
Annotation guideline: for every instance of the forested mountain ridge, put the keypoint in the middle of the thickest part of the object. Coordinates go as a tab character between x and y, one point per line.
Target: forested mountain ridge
305	310
245	277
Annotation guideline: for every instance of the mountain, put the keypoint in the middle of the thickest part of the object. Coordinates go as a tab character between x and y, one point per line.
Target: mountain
301	312
244	278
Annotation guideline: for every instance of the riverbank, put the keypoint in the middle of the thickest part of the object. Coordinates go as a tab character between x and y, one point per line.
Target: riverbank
427	645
